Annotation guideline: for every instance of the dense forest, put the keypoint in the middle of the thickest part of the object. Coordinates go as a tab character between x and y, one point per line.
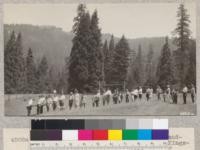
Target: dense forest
39	59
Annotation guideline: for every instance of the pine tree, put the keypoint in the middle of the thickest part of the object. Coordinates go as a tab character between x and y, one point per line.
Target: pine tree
120	61
50	80
78	64
165	68
14	65
95	54
149	66
61	85
30	73
182	38
106	59
111	46
191	73
139	68
20	66
109	60
131	78
42	76
9	63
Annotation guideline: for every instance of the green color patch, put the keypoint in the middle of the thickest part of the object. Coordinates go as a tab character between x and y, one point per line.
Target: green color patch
130	134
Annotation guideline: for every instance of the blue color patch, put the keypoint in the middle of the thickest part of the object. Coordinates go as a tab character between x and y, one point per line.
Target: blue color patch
144	134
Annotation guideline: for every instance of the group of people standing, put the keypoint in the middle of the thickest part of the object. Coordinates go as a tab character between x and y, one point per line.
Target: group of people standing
54	102
77	100
171	94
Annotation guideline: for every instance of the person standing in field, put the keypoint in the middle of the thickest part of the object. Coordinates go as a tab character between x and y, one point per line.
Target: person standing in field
136	94
193	93
148	92
38	105
132	95
108	95
140	92
120	96
151	93
29	106
168	93
164	95
42	103
61	101
55	102
71	100
185	90
115	96
127	96
104	97
97	99
76	98
47	103
158	92
175	96
83	100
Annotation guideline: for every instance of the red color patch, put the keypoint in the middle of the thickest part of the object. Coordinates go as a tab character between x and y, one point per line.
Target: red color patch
100	134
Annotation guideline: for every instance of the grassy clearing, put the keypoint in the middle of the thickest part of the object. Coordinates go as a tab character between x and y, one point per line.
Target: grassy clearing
15	105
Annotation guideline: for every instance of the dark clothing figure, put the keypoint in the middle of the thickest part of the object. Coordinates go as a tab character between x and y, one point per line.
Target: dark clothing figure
47	107
140	96
41	109
70	104
148	92
115	98
184	97
54	105
175	96
147	96
192	91
38	109
127	97
71	99
29	108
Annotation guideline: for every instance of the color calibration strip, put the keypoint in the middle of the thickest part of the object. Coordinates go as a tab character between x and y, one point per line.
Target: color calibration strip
114	130
89	124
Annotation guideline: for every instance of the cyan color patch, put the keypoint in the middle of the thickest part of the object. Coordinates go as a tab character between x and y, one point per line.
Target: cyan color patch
144	134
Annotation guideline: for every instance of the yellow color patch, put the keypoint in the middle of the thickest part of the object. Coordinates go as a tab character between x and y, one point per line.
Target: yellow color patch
114	134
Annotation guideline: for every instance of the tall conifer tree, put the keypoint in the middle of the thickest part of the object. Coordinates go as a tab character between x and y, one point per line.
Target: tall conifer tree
121	61
95	54
165	69
42	76
78	63
139	67
9	65
182	39
149	66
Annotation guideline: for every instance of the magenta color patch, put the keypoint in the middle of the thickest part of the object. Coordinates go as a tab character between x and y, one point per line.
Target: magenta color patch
85	135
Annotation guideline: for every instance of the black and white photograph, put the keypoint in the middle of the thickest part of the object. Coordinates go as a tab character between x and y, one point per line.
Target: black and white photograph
100	59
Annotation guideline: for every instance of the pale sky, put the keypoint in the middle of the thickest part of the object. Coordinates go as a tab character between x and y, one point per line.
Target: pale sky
134	20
